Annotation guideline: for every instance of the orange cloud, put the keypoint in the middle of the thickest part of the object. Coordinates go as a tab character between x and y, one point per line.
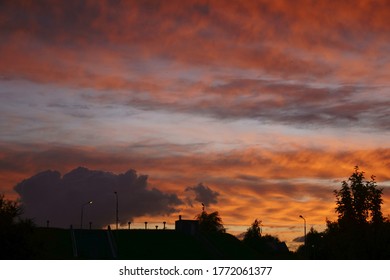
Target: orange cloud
284	38
276	187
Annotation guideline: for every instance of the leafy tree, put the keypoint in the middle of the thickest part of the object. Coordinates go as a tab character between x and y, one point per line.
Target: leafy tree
15	233
9	210
360	232
210	222
314	248
376	202
253	232
359	201
267	246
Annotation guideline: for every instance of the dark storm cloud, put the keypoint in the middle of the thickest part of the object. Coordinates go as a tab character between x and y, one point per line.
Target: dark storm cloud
48	196
203	194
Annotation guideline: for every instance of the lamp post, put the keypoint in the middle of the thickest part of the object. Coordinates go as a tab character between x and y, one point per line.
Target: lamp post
82	212
260	227
117	210
304	227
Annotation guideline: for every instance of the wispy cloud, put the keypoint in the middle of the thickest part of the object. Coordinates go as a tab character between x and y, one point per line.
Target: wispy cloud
294	43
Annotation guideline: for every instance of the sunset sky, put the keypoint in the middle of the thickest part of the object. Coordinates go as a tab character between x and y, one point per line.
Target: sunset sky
262	107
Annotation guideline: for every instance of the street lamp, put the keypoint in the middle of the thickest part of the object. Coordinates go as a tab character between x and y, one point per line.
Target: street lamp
304	226
82	212
117	210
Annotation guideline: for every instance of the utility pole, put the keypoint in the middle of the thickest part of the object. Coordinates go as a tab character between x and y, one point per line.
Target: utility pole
117	210
304	229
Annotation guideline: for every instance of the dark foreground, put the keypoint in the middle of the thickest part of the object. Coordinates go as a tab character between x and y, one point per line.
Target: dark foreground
52	243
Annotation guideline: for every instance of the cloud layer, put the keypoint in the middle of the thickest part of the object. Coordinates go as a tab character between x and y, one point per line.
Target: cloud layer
277	62
243	185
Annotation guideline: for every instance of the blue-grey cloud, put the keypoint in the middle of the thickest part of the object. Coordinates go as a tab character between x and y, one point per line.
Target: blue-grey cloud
203	194
48	196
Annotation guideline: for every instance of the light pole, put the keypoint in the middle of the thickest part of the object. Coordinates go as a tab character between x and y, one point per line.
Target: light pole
117	210
82	212
260	227
304	227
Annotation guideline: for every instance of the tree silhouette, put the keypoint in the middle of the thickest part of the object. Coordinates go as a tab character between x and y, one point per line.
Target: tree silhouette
210	222
360	232
267	246
15	233
315	248
253	232
359	201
